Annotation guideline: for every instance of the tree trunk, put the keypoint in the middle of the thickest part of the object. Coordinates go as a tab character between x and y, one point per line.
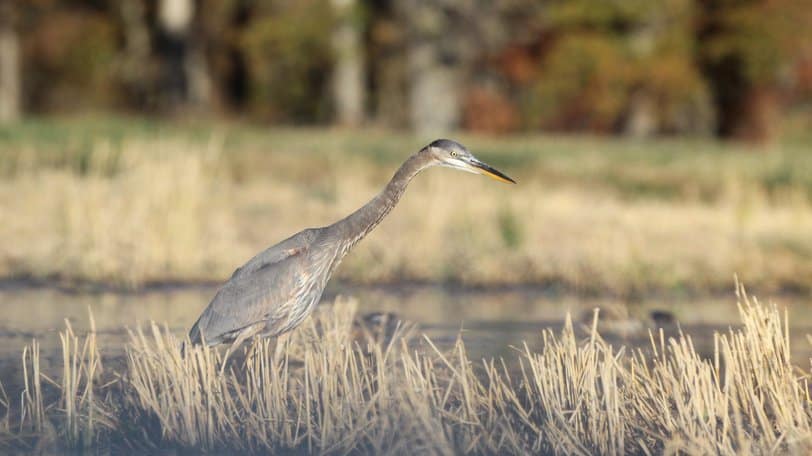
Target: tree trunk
434	100
641	119
10	88
388	64
138	81
348	74
198	79
188	76
758	119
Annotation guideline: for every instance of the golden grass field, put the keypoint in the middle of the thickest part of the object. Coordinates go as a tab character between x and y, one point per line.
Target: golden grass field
334	387
130	202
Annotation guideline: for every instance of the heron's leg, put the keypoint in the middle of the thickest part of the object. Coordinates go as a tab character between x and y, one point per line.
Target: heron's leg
241	337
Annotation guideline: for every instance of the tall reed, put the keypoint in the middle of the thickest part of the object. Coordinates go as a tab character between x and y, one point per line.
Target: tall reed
333	388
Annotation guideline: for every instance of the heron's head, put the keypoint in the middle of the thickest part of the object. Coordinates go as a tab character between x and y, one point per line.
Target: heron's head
452	154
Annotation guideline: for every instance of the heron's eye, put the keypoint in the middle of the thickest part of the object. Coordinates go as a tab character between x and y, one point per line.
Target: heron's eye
453	153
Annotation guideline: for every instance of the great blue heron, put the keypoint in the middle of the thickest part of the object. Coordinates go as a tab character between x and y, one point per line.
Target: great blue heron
274	291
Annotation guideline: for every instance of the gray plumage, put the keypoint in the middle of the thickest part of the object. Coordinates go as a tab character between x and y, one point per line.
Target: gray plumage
278	288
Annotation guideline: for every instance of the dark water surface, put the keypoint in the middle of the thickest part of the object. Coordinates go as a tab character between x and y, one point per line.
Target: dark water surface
492	321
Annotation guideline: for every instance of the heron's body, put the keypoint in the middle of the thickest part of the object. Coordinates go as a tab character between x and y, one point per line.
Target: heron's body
277	289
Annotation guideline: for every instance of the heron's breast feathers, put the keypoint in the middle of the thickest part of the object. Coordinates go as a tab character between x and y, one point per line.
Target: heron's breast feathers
280	293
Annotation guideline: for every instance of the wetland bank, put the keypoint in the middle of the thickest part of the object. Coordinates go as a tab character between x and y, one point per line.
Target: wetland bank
337	386
132	221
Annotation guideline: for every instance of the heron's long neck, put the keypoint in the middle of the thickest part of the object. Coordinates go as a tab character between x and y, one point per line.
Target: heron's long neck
355	226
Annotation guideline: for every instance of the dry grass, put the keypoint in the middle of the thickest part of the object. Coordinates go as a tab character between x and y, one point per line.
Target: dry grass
326	391
164	215
161	209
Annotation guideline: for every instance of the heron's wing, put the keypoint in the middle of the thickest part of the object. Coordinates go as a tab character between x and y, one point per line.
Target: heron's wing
260	290
278	252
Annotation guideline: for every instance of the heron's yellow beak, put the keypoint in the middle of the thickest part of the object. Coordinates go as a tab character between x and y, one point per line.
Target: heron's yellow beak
487	170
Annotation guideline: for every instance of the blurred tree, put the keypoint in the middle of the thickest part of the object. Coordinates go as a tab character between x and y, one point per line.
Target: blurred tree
487	108
219	27
10	90
445	46
584	84
69	50
187	73
348	81
748	48
289	59
619	65
137	72
635	67
386	43
502	42
434	69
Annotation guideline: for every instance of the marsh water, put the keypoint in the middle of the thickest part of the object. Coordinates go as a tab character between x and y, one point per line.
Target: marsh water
493	322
